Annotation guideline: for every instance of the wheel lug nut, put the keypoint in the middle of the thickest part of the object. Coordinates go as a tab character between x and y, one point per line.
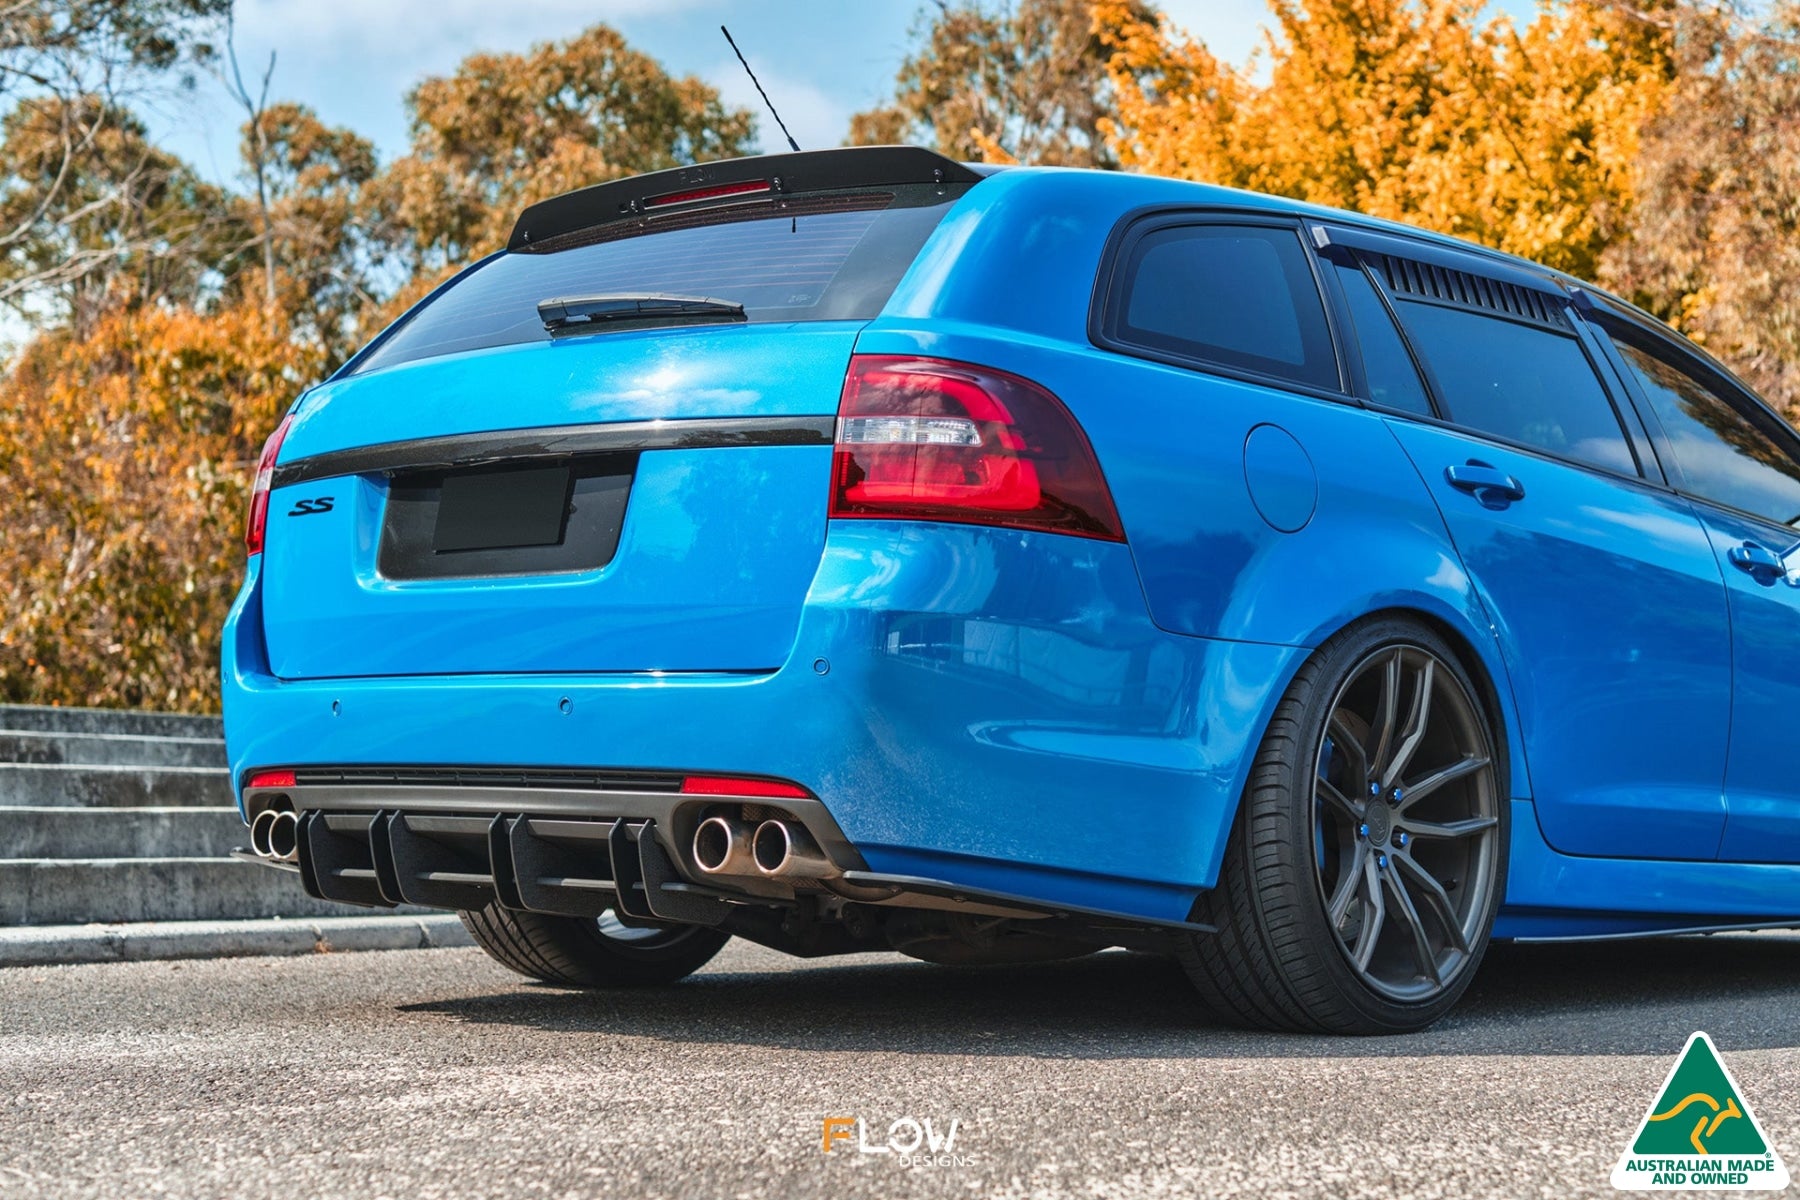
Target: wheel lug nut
1381	860
1395	795
1374	789
1362	831
1400	839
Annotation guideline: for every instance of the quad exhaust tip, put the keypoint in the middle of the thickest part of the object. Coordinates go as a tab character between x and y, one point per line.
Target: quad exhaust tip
275	833
784	850
722	847
775	849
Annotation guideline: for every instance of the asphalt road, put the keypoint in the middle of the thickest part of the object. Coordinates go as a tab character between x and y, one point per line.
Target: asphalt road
435	1073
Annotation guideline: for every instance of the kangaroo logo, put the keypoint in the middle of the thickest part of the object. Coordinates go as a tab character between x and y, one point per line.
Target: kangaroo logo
1700	1133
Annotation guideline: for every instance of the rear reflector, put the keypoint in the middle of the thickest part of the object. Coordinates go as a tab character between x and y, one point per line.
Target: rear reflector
271	779
726	785
258	522
932	440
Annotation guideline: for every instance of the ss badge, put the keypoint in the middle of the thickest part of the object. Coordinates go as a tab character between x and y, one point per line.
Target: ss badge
305	508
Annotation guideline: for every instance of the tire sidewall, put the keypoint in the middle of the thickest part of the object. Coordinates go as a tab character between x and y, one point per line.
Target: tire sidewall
1338	659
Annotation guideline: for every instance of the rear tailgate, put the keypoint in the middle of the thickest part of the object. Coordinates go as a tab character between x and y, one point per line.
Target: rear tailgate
695	466
540	470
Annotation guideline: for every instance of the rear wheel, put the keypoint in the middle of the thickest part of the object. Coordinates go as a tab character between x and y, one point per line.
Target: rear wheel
589	952
1369	854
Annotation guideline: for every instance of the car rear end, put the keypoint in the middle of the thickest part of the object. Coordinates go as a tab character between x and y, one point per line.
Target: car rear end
614	578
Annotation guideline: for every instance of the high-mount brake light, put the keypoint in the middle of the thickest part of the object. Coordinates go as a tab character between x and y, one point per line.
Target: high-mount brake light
729	785
271	779
718	192
258	523
933	440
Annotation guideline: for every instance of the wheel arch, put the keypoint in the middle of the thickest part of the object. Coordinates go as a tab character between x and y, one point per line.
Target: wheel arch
1477	652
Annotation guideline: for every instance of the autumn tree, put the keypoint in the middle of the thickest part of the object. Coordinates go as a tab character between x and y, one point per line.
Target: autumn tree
75	156
1714	245
1429	111
1027	82
121	221
126	453
129	424
508	129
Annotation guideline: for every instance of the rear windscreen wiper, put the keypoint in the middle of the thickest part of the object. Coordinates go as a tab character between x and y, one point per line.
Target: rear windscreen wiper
570	314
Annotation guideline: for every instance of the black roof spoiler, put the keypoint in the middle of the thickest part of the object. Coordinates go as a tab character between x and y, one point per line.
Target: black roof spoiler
779	174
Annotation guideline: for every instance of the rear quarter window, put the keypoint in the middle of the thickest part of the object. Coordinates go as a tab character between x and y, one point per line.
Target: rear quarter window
1240	297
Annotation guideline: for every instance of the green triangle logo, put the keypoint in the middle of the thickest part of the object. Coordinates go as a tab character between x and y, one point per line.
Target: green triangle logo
1700	1133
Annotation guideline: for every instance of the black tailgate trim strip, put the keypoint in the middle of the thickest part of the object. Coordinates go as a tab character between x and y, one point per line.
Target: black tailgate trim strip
557	441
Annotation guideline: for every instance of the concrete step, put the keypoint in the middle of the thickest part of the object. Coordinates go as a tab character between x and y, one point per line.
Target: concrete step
110	749
64	785
75	891
62	832
108	720
48	945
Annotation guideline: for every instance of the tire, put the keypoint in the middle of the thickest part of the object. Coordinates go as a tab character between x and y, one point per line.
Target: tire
1300	945
591	952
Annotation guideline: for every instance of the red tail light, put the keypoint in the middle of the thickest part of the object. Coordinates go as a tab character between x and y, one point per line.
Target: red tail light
258	523
271	779
933	440
729	785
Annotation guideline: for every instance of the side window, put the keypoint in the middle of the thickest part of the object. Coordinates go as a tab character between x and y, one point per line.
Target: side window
1724	455
1239	296
1393	379
1520	382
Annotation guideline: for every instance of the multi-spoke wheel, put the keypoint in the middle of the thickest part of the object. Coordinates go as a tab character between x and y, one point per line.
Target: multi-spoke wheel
1369	854
602	952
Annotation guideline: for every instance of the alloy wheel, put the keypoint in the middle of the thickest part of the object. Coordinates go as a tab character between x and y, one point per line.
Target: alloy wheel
1405	822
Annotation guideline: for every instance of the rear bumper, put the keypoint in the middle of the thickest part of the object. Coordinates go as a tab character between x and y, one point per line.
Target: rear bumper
981	707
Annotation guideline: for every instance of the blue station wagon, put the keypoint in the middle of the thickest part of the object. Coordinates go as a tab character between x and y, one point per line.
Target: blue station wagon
860	550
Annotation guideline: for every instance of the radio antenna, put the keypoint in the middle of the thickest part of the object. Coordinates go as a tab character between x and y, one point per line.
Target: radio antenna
759	90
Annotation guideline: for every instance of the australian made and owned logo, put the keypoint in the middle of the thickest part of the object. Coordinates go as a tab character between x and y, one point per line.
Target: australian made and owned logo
1700	1133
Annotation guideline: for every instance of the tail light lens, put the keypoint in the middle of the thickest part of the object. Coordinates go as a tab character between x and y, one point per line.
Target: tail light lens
932	440
258	523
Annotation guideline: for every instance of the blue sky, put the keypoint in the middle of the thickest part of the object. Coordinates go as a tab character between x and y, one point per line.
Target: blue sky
821	60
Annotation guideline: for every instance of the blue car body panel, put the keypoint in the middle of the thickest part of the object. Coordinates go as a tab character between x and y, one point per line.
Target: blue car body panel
1617	642
986	707
1055	717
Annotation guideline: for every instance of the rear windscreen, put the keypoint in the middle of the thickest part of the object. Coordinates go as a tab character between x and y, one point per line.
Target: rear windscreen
817	258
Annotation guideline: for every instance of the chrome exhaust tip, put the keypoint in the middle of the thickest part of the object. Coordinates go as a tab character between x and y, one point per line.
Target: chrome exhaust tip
784	850
259	832
722	847
283	837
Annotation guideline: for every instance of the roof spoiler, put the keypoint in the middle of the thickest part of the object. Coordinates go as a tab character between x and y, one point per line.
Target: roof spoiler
744	179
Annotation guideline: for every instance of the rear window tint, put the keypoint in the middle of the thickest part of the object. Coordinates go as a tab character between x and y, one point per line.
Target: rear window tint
1392	377
1519	382
1239	296
815	259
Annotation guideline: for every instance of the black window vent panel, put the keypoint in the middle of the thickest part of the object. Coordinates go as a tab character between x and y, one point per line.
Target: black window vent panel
558	778
1442	285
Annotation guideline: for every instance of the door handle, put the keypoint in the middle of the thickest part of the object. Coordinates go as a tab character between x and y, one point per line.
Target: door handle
1763	564
1490	486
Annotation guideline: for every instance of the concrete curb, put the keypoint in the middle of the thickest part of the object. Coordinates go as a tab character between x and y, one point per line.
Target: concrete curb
50	945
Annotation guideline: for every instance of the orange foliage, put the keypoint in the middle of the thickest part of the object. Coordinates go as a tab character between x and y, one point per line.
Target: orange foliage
127	456
1425	111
